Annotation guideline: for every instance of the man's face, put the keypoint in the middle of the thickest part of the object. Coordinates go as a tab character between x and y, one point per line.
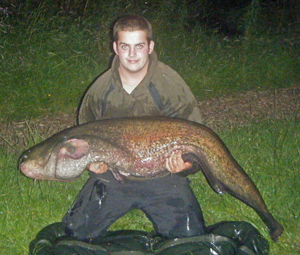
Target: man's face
133	50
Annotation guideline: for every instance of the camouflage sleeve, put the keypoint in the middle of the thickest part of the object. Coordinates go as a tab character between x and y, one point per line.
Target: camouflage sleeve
91	106
195	115
86	110
178	99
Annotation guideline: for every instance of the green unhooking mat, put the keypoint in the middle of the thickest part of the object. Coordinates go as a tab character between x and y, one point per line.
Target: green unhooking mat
224	238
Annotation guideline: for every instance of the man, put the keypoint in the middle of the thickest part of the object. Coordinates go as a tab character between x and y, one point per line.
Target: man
137	85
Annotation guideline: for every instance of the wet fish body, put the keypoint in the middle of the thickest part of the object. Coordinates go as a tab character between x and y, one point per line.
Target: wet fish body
137	148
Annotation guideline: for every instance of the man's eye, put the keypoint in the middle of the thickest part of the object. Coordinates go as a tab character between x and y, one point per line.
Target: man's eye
140	46
124	47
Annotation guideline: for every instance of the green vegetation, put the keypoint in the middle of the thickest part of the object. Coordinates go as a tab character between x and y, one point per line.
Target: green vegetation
51	52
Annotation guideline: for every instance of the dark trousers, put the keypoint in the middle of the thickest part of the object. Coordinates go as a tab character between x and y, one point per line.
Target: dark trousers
168	202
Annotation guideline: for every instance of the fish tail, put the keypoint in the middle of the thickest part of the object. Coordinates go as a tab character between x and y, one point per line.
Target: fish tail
275	228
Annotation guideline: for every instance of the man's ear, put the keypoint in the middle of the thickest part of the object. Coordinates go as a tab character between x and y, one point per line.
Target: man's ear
151	47
115	47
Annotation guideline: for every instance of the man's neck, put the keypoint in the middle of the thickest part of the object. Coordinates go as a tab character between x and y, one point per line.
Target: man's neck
132	78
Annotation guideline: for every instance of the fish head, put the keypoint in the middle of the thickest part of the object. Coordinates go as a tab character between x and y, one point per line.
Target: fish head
57	158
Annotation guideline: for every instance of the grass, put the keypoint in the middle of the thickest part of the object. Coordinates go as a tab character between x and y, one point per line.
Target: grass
269	151
48	72
213	67
26	207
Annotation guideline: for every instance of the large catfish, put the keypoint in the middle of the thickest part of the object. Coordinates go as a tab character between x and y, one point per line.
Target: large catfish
137	148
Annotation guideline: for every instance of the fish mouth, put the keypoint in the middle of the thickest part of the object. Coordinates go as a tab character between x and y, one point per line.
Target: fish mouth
30	172
34	169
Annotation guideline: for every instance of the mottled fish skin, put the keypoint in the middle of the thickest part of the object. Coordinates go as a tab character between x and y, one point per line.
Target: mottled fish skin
137	148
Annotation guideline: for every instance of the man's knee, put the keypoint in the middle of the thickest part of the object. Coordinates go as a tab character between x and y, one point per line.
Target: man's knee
183	227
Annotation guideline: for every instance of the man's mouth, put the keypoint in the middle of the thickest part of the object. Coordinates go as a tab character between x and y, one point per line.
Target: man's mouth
132	61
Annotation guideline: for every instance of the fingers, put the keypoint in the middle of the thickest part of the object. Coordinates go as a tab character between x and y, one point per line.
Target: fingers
175	163
98	167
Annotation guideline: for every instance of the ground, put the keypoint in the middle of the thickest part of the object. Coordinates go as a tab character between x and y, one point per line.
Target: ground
243	108
238	109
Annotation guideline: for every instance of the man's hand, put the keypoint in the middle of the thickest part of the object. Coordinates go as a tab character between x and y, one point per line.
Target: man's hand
98	167
175	163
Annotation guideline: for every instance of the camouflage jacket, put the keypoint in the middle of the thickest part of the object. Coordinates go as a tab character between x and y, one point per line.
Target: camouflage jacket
162	92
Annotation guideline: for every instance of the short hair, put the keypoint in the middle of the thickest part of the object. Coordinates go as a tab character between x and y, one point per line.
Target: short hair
132	23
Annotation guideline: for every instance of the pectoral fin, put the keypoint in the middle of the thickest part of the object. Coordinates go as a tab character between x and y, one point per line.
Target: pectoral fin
74	149
118	176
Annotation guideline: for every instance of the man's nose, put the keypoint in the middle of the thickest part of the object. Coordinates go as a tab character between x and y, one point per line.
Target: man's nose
132	52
